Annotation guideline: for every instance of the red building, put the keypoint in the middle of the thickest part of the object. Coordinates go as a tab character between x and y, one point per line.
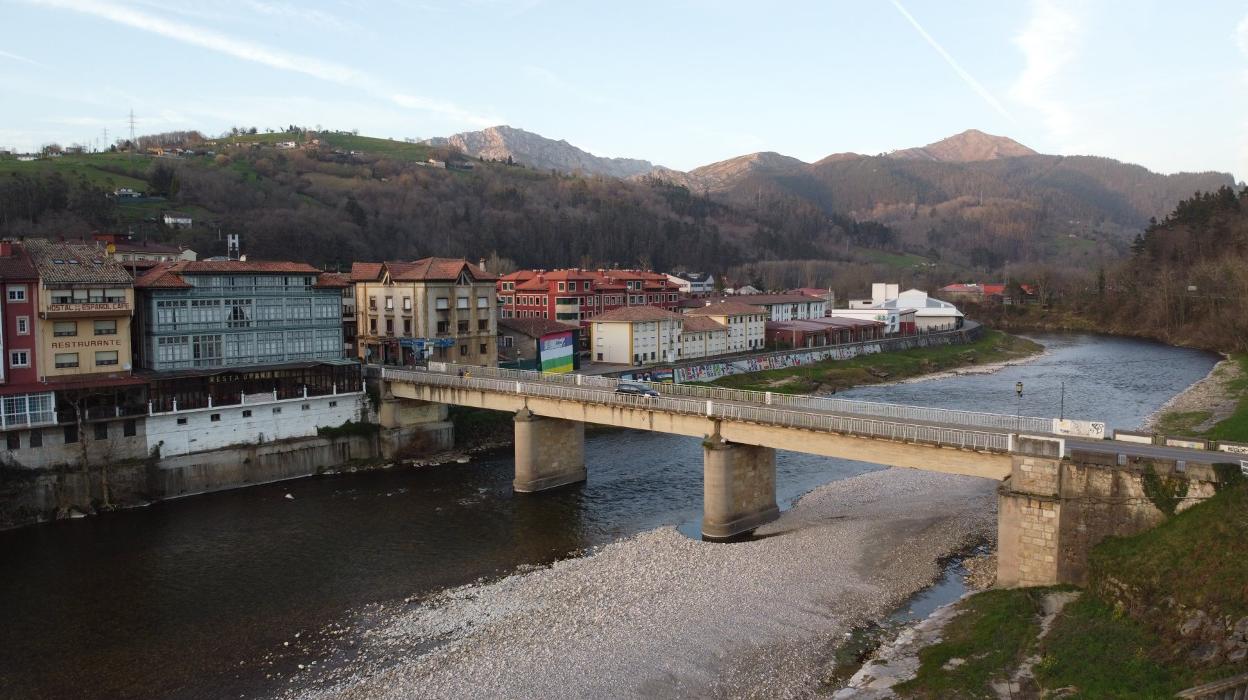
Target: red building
20	283
576	296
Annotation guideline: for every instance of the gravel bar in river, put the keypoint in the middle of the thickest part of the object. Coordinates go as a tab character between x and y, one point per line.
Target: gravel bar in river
661	615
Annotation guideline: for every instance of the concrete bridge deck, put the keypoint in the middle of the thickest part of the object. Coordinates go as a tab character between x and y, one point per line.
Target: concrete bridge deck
742	429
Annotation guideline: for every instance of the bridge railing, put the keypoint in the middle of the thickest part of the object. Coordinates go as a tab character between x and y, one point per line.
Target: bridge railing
974	419
849	425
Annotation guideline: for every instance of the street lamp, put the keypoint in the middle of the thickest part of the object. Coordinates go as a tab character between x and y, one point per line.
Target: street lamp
1018	389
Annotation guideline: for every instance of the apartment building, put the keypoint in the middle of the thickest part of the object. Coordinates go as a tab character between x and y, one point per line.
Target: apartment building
576	296
746	324
234	313
443	309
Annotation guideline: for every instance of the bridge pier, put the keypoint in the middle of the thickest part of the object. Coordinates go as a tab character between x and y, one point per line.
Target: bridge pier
739	488
550	452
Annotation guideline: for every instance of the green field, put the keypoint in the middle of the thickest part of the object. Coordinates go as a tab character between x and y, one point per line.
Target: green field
400	150
91	166
994	346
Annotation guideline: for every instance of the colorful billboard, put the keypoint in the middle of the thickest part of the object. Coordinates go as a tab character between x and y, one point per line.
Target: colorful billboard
557	351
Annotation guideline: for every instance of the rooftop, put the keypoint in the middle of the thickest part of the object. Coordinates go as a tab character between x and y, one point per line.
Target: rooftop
534	327
700	324
71	263
721	307
636	313
423	270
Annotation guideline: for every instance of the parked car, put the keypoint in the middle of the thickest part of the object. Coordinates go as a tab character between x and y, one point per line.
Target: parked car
636	390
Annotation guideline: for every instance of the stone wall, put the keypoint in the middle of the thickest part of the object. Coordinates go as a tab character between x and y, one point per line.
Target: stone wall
1052	512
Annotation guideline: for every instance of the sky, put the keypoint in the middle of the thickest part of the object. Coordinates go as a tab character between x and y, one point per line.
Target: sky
681	83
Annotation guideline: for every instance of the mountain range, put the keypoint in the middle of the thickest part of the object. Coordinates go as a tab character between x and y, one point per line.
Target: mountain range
971	185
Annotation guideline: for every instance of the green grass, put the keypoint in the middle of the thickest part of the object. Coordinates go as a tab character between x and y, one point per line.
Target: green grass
400	150
87	165
1235	426
1199	557
994	346
1100	654
992	635
1182	422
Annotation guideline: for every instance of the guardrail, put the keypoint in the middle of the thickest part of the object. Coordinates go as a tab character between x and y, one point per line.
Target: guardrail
944	416
847	425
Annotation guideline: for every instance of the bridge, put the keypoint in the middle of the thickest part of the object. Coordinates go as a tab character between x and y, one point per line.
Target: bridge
740	431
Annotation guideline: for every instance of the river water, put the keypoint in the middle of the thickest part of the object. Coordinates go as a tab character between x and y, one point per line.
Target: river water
200	597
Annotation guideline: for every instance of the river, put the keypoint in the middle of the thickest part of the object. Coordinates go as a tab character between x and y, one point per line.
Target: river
182	598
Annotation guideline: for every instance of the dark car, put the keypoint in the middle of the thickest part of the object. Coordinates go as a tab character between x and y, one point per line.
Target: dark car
636	390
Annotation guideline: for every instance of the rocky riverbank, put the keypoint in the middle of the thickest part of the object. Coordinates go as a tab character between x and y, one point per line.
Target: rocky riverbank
1203	404
660	614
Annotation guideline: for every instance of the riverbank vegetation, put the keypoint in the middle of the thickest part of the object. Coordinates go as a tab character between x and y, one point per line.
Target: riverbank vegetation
835	375
1216	411
1164	610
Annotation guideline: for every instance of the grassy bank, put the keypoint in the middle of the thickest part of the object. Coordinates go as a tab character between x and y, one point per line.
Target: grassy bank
993	347
1122	638
1193	421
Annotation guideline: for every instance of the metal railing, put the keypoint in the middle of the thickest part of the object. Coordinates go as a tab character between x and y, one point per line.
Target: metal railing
848	425
921	414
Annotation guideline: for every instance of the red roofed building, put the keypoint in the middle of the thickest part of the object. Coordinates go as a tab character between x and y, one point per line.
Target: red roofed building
577	296
442	309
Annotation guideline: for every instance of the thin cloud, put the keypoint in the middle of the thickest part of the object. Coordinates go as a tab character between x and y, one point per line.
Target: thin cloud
1049	42
22	59
953	63
258	53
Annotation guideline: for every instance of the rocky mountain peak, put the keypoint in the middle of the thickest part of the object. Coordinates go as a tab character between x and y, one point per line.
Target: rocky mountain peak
969	146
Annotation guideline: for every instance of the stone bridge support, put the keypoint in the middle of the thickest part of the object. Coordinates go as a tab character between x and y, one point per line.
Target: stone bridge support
550	452
412	427
739	487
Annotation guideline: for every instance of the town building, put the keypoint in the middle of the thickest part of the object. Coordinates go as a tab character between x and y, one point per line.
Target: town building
827	295
24	403
346	289
234	313
930	314
85	301
442	309
896	321
702	336
176	220
125	249
993	293
818	332
576	295
697	284
783	307
745	324
637	335
538	344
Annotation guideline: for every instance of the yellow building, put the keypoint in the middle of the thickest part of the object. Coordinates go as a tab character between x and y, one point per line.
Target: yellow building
84	305
440	308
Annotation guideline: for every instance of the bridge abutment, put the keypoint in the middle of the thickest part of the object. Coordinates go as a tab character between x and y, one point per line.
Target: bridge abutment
739	487
550	452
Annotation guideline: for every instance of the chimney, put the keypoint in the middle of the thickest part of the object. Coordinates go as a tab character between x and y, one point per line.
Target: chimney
481	264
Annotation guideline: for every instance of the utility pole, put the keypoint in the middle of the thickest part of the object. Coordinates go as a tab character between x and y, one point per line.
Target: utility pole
132	144
1018	413
106	138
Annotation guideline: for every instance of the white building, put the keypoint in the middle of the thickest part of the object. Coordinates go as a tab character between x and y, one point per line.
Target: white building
788	307
693	283
895	320
703	337
636	335
930	314
173	220
746	323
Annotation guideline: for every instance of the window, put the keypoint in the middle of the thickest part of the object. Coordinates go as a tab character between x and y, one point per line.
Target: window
19	358
561	286
247	413
277	410
443	327
372	326
461	302
372	303
333	404
407	326
483	351
483	302
407	303
101	431
441	304
23	325
36	438
483	324
181	421
129	428
389	326
65	360
462	326
64	328
215	418
104	358
463	351
71	434
17	292
306	407
15	441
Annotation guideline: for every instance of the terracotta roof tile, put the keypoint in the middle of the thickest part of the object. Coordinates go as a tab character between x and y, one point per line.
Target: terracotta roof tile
636	313
78	264
726	308
534	327
700	324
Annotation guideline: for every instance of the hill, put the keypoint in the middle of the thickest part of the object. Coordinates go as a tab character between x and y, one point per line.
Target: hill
504	143
967	147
